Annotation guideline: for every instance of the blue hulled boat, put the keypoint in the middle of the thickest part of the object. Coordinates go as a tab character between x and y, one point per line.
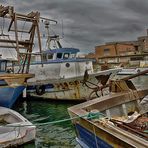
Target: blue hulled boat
11	85
8	95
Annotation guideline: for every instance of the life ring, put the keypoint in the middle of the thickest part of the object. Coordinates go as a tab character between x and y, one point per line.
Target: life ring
40	89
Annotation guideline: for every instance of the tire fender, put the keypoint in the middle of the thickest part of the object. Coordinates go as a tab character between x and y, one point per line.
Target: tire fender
40	90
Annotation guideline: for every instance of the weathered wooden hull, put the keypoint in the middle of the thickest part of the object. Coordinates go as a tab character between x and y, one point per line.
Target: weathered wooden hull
100	132
65	89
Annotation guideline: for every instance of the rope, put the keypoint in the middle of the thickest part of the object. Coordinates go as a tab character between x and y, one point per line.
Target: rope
2	26
23	28
95	137
89	116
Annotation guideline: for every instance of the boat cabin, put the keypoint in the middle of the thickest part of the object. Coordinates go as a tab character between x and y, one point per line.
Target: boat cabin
59	63
60	54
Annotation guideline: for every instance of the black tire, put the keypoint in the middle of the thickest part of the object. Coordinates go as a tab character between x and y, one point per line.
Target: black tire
40	90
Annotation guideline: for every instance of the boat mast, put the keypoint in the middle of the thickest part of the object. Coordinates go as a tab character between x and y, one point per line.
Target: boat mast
27	44
50	38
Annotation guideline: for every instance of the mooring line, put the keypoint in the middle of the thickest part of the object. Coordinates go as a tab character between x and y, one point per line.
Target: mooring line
89	116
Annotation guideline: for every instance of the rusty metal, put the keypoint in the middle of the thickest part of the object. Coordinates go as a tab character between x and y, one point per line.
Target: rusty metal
96	87
137	126
140	124
123	84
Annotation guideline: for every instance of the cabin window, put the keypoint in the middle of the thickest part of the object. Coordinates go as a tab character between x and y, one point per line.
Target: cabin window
106	52
3	66
66	55
136	58
73	55
44	57
59	55
50	56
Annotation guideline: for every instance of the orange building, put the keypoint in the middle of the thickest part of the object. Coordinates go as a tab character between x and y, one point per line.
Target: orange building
114	49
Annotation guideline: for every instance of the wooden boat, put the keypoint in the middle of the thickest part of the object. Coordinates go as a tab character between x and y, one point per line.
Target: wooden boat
11	85
13	129
115	120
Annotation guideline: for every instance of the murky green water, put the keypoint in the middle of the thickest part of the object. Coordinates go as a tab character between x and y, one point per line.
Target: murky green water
58	135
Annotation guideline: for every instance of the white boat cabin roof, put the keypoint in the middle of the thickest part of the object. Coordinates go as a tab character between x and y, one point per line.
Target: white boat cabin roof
62	50
59	54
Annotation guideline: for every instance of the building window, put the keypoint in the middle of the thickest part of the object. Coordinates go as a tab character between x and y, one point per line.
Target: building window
73	55
136	58
44	56
50	56
106	52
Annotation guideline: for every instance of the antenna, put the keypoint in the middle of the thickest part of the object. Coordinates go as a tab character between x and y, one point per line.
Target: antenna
62	29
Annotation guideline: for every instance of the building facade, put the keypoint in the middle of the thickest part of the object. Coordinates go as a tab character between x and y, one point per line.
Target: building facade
129	52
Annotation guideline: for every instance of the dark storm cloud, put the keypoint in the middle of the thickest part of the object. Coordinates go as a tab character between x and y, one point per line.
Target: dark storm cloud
88	23
140	7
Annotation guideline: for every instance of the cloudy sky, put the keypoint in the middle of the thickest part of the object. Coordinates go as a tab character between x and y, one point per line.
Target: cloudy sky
87	23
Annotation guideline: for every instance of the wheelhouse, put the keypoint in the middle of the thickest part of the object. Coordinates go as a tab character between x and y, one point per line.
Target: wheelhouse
58	54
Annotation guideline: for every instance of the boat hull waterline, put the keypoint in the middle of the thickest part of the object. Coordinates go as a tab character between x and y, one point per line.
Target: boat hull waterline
66	89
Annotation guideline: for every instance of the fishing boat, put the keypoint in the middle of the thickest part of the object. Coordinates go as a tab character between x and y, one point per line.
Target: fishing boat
11	85
15	130
60	75
115	120
59	72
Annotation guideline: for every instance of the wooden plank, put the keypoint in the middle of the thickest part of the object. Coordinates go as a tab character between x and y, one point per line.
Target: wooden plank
14	41
16	37
10	24
6	46
24	31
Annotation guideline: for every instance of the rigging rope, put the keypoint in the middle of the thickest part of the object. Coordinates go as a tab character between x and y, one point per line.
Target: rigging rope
2	26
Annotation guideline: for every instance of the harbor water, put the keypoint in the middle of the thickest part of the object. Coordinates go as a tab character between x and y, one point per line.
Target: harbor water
61	135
